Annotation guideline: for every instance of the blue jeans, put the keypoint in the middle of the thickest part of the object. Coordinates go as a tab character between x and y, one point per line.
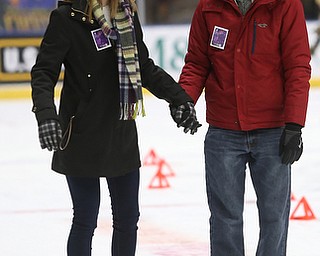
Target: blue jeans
227	154
85	194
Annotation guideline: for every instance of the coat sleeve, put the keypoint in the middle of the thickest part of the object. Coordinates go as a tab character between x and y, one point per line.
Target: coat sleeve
45	73
154	78
197	64
296	58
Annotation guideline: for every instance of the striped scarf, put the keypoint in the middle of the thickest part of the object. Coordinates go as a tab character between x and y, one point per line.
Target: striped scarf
131	99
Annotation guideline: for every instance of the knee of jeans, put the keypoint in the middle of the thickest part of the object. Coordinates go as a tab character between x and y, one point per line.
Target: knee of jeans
85	221
126	223
83	228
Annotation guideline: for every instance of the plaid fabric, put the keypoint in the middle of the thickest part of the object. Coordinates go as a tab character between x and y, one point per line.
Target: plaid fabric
98	13
50	134
183	113
185	116
131	99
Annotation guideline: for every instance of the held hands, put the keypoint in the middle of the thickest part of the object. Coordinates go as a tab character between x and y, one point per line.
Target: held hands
50	134
185	116
291	145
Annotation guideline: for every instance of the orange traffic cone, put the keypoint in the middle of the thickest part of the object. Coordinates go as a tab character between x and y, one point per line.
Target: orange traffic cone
151	158
159	180
308	214
165	168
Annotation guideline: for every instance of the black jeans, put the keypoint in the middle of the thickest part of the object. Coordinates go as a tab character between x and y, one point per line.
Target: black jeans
85	194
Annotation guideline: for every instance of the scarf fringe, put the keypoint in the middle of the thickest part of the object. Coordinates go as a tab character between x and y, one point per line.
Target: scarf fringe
139	109
130	111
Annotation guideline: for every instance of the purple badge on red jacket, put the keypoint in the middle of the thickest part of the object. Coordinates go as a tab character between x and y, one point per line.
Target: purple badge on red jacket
219	37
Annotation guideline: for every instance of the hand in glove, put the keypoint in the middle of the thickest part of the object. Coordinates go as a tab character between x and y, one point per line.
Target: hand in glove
185	116
291	145
50	134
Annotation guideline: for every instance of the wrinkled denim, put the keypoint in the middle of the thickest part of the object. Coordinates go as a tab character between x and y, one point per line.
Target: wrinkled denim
227	155
85	194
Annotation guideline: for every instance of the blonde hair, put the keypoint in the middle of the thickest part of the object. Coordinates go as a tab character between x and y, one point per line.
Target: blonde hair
113	4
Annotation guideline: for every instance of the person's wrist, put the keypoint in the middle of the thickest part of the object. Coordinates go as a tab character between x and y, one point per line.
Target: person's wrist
293	127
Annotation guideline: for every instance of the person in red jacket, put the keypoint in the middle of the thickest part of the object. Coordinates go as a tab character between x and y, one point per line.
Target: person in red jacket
252	58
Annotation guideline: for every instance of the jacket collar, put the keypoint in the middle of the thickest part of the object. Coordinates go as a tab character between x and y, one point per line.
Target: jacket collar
76	5
218	4
80	5
260	1
270	3
78	11
65	2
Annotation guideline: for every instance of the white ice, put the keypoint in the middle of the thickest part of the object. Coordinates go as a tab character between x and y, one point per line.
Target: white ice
36	211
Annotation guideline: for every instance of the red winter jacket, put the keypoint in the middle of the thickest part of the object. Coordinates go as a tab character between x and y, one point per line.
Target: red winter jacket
257	74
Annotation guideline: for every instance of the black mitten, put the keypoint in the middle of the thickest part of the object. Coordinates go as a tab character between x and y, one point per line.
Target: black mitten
291	145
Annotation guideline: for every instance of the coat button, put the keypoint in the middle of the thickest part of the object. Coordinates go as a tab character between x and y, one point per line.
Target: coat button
83	18
72	14
91	21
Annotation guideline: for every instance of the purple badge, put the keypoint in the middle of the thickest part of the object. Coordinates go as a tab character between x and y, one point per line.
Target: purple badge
219	37
100	40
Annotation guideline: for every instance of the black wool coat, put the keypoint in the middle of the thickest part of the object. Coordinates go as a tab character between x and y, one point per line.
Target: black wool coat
97	143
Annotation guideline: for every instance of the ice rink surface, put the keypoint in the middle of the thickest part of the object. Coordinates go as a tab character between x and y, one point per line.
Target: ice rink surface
36	210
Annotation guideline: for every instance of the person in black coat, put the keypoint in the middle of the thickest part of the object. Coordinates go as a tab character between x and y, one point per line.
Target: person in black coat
93	134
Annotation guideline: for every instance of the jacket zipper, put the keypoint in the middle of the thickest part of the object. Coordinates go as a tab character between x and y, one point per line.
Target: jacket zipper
254	37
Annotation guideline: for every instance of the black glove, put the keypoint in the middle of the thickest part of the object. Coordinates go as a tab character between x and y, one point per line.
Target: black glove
50	134
291	145
185	116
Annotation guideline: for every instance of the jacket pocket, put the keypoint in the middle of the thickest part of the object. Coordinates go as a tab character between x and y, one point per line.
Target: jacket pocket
67	135
265	38
254	36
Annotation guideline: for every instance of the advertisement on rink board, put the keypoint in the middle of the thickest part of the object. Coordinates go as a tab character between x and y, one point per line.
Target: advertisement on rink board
23	22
